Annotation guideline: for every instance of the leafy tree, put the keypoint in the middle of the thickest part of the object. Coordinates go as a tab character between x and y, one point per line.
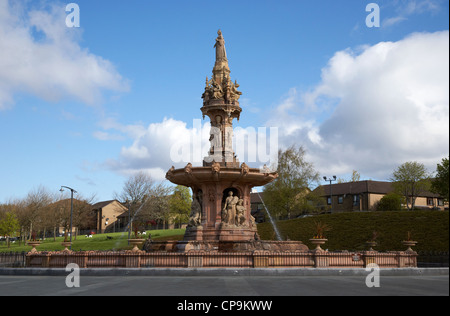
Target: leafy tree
288	193
410	180
390	202
9	225
180	204
440	185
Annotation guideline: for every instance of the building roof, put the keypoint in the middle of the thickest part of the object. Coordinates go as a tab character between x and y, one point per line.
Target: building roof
359	187
256	198
102	204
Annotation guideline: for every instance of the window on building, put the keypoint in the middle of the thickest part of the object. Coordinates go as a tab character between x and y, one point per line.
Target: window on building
329	200
440	202
341	199
430	201
356	200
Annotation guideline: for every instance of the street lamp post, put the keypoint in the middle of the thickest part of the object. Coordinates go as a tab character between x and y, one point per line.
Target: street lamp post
129	220
71	210
331	190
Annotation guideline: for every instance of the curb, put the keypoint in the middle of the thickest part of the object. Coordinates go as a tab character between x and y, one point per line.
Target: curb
185	272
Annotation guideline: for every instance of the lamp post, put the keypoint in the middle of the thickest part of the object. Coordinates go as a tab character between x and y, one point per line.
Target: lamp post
331	191
71	210
129	219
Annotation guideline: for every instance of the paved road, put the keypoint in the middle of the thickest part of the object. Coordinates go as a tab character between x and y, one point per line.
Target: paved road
188	286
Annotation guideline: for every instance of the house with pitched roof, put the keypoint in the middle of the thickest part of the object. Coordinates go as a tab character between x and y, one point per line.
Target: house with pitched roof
364	196
107	215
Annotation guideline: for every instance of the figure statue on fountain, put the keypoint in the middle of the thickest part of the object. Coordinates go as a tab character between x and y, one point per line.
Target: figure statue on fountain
229	209
195	218
240	214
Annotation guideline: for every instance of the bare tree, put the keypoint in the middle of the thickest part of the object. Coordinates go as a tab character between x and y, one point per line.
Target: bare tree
82	217
146	198
136	188
35	205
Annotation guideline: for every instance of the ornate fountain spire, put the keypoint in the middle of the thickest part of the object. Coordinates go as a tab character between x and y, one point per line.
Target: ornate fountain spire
221	70
221	105
220	87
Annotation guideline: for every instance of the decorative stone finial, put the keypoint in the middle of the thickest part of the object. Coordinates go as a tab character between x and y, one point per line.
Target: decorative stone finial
220	87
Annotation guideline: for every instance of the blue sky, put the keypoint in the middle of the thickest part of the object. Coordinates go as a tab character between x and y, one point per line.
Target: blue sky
86	107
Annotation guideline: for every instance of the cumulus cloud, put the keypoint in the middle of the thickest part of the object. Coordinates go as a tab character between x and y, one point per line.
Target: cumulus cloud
41	56
375	108
160	145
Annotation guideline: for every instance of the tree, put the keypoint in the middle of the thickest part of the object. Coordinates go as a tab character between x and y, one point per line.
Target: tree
31	215
58	214
410	180
180	204
9	225
288	193
440	184
356	176
157	204
147	199
136	188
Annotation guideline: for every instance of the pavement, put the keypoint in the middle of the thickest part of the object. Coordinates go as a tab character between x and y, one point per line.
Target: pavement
185	285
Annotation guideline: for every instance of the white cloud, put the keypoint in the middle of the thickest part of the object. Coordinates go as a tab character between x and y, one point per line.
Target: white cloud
40	56
158	146
171	142
375	110
404	9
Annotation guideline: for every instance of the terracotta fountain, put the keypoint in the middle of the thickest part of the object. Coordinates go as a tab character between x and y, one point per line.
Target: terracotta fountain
221	214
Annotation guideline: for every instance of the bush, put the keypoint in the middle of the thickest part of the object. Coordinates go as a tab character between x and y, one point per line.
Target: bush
390	202
351	230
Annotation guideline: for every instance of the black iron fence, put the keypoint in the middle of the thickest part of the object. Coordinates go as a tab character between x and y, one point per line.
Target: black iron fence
430	259
13	259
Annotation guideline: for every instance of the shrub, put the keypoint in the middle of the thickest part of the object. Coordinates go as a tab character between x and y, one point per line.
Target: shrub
390	202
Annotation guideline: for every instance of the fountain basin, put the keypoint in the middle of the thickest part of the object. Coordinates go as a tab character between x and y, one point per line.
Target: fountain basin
225	246
212	184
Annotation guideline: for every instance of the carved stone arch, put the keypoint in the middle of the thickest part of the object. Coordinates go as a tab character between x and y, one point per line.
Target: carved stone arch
236	192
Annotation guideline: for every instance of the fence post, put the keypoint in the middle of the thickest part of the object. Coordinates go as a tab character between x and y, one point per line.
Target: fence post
260	259
320	258
195	259
407	259
133	260
369	257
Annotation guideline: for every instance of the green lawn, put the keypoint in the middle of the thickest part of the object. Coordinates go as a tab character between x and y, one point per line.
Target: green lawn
112	241
350	231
